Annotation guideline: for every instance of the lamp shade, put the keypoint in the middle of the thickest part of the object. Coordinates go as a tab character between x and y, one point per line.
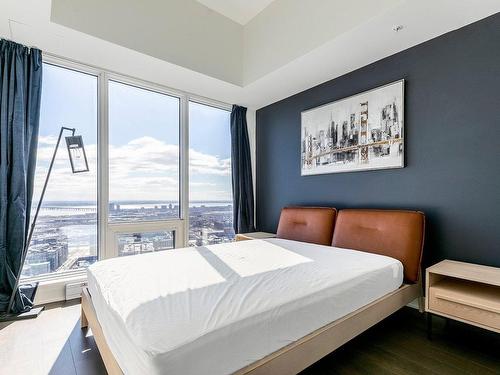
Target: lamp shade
77	155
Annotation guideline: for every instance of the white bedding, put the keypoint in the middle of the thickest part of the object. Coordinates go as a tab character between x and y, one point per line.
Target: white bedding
216	309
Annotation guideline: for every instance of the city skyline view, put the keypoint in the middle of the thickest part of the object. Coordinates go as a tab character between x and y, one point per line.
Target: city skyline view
144	172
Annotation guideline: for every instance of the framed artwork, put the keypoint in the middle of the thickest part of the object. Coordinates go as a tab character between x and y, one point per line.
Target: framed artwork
362	132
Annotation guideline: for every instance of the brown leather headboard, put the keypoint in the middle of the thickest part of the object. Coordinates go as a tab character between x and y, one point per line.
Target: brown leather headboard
398	234
307	224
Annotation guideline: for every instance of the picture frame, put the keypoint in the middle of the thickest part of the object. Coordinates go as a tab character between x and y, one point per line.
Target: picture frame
361	132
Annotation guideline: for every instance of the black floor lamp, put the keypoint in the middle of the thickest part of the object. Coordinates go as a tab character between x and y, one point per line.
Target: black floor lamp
79	164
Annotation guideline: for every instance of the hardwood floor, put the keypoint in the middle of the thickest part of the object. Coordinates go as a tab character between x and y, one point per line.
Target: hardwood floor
54	344
399	345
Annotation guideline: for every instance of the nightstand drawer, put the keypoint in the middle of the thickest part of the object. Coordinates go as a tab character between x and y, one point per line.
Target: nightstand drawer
473	302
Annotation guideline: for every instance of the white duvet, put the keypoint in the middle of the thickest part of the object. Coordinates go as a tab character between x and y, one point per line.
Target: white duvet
215	309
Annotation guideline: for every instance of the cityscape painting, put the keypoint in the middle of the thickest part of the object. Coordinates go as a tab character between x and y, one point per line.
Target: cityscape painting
361	132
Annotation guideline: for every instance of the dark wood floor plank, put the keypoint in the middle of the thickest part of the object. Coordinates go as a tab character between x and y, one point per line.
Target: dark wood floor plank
422	360
430	352
398	363
63	365
463	345
477	345
85	353
403	337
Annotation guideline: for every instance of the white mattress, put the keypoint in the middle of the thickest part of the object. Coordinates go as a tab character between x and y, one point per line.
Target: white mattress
216	309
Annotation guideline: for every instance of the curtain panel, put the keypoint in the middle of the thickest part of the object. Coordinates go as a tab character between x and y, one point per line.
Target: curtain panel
241	164
20	94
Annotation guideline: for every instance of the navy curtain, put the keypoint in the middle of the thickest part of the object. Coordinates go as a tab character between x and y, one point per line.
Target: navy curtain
20	92
243	216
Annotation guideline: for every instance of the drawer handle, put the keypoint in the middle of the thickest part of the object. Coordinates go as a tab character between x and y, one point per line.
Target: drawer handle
468	303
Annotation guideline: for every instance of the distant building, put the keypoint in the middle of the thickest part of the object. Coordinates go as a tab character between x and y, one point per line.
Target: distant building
38	268
49	248
113	207
84	262
50	252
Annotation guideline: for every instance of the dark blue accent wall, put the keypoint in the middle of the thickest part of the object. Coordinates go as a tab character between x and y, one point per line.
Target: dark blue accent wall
452	131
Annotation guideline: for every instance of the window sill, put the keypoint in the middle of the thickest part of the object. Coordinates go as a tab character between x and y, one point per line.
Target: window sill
52	288
54	276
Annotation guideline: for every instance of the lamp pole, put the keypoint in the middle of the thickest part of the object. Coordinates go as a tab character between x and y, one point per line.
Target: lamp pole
32	228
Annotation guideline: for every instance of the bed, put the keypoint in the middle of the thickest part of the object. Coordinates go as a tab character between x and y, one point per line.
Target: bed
253	307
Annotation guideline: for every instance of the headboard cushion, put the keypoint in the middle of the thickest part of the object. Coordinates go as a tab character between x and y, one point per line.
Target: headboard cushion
307	224
398	234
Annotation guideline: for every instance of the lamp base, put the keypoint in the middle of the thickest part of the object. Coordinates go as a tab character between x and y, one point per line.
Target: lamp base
33	313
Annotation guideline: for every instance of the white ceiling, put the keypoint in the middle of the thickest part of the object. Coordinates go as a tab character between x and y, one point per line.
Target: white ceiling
182	32
240	11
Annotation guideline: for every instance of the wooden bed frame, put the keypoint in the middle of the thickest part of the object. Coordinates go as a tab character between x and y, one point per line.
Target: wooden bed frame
366	230
298	355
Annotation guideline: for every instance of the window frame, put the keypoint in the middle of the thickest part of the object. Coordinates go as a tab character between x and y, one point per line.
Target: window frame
116	228
174	225
85	69
106	231
208	103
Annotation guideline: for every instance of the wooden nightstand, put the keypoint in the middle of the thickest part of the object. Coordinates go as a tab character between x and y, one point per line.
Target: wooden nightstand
254	236
466	292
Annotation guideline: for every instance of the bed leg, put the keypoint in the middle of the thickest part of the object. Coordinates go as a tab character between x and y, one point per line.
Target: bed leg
84	323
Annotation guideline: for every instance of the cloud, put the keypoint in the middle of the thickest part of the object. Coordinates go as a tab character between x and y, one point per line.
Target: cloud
143	169
208	164
202	184
47	140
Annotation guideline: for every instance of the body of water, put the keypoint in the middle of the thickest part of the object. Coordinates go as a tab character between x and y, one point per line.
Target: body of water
78	208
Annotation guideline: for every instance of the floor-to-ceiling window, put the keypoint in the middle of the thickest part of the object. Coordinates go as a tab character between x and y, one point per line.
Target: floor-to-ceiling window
143	154
144	169
160	170
210	205
65	236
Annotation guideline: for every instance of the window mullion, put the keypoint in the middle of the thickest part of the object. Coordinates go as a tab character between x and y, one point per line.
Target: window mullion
105	251
184	165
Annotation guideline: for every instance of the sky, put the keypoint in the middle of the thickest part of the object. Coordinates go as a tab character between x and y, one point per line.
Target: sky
143	142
